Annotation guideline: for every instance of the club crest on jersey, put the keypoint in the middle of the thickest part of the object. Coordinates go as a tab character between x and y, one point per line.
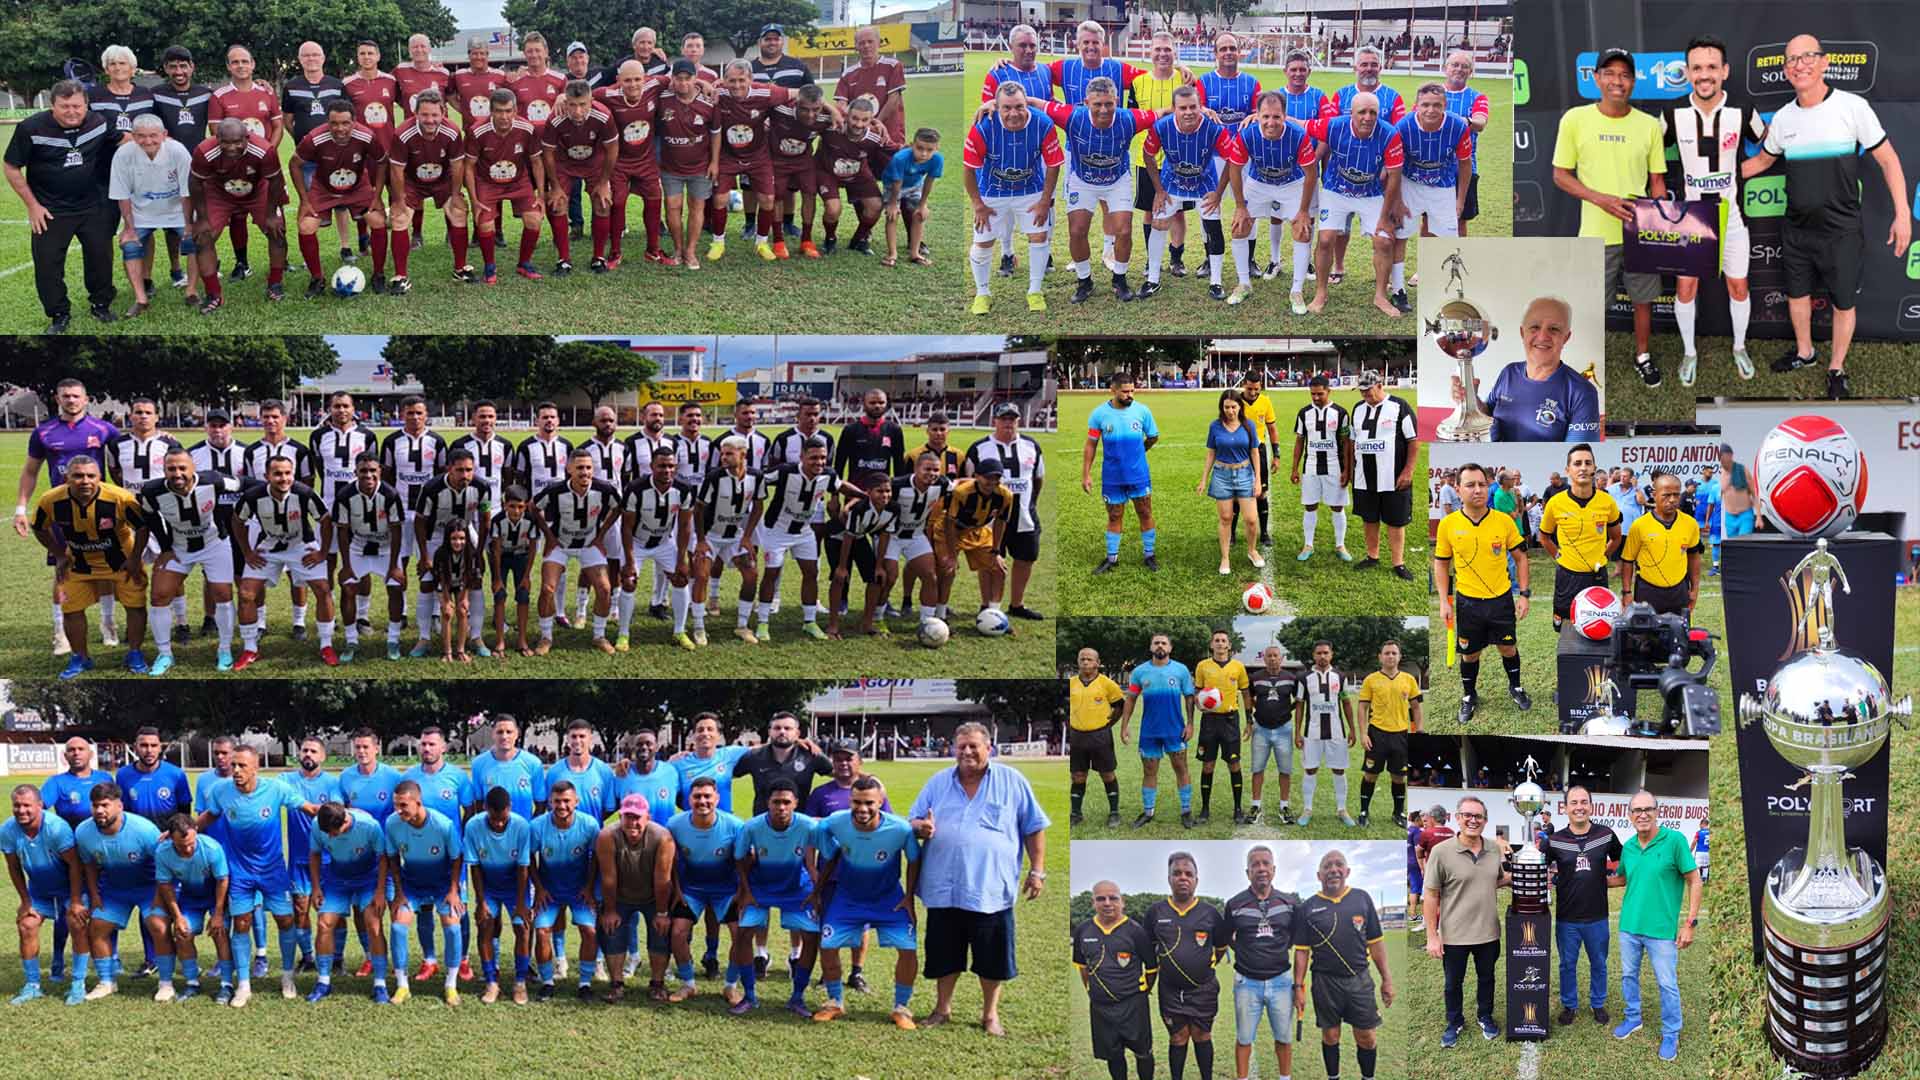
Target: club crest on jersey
342	179
793	147
880	856
524	784
720	852
1548	413
266	812
1124	958
740	135
166	793
579	153
429	172
376	113
434	850
503	171
844	167
133	856
476	106
538	110
1199	937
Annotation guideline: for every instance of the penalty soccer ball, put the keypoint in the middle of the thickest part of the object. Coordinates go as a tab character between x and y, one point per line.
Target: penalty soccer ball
1811	477
991	622
933	633
1257	598
349	281
1594	610
1209	699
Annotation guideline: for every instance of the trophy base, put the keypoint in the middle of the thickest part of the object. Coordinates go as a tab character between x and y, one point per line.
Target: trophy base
1529	948
1465	429
1826	977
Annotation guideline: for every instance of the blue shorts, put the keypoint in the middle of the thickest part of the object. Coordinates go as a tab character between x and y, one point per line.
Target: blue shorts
795	915
1740	524
1153	747
245	896
51	906
843	932
187	246
495	903
632	918
580	912
438	903
118	910
1125	493
196	917
299	882
1231	483
339	899
696	905
1256	998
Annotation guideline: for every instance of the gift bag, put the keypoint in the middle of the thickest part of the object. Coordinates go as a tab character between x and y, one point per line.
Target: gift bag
1673	237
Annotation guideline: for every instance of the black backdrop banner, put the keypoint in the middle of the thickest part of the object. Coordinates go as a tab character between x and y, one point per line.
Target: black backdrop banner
1556	42
1771	628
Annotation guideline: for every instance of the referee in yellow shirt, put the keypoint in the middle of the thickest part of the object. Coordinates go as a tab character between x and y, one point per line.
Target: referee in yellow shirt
87	526
1660	561
1580	528
1478	600
1389	710
1220	728
1153	90
1095	702
1256	411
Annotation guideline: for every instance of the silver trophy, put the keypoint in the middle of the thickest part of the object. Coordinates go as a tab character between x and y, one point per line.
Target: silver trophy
1825	907
1606	722
1528	863
1462	331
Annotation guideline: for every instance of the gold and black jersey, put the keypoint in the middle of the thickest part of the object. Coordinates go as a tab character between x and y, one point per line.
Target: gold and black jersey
1579	527
98	534
1478	551
972	507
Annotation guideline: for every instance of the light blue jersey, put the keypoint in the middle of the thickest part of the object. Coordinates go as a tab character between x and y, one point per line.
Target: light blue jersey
593	784
565	864
779	875
447	789
372	792
426	853
155	795
70	796
868	886
522	775
255	852
720	766
499	855
193	877
705	854
1123	434
1163	690
125	858
202	788
352	859
40	855
321	787
661	786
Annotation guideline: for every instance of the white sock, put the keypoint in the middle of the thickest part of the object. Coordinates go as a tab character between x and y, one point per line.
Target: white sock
106	614
1156	253
599	627
582	598
1684	312
393	631
59	619
477	615
360	606
250	638
180	610
982	261
546	628
1397	277
1339	792
695	612
1275	230
928	611
660	585
1311	781
326	633
423	614
353	633
1741	310
681	596
1037	255
560	594
626	601
809	612
743	613
1302	263
1339	527
1308	519
1083	268
764	610
299	614
223	622
1106	247
1213	268
162	618
1242	258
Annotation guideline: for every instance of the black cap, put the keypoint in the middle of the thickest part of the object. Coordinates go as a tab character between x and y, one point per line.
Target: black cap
218	416
988	467
1007	408
843	746
773	28
683	66
1608	56
1726	448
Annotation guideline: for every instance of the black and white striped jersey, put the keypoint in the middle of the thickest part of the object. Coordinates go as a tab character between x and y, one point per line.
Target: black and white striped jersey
336	451
785	447
412	461
792	497
188	523
1021	469
287	522
516	537
1706	148
656	513
1383	437
492	457
367	519
690	456
726	502
1322	426
133	462
253	462
640	447
609	461
442	504
210	458
759	448
913	508
1322	690
575	516
865	521
541	463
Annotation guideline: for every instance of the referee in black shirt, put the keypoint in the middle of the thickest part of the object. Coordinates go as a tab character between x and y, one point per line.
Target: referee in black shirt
58	164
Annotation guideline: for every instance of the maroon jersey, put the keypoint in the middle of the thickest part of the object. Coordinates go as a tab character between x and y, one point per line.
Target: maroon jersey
539	95
580	147
347	171
633	123
237	178
685	127
428	158
412	80
502	161
470	91
851	159
791	141
883	78
376	102
743	121
257	106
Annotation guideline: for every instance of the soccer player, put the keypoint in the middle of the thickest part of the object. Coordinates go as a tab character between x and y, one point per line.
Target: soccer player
1438	168
1125	428
147	182
139	454
117	97
972	518
645	773
1097	133
348	880
794	492
879	77
181	105
511	545
412	458
726	524
87	526
304	98
518	771
151	787
236	176
1220	728
1322	462
862	543
574	519
428	160
793	129
1359	175
427	846
635	857
914	500
45	870
474	85
337	445
862	850
276	442
506	166
1383	435
1580	529
1367	62
706	879
252	102
610	466
116	853
1321	740
741	114
70	432
292	523
1166	723
1280	182
375	96
853	155
540	462
1389	710
315	785
1095	704
189	516
1478	601
1660	560
453	501
631	101
688	138
1470	104
248	807
775	859
657	523
1335	932
1118	960
191	890
579	141
498	847
1190	938
1181	150
449	789
538	88
369	522
1013	161
420	74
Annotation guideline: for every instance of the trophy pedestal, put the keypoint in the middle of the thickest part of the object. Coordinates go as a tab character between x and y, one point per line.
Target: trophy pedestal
1826	974
1529	966
1582	665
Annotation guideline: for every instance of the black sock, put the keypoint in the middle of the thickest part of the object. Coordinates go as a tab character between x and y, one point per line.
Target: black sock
1399	796
1330	1057
1119	279
1261	506
1117	1066
1177	1060
1366	1057
1178	251
1512	664
787	220
1203	1058
1366	793
1144	1062
1079	794
1206	791
1238	781
1113	794
1469	674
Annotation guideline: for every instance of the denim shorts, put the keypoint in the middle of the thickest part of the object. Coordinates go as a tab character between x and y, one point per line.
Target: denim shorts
1231	483
1277	742
1254	997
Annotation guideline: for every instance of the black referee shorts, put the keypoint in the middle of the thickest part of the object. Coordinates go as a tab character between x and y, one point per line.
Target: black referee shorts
1142	189
1021	546
1664	599
1389	749
1393	508
1567	585
1472	208
1091	751
1220	737
953	933
1480	623
1823	258
1120	1026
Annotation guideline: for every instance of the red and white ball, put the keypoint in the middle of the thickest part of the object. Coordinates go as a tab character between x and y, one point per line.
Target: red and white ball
1258	598
1810	477
1594	610
1209	699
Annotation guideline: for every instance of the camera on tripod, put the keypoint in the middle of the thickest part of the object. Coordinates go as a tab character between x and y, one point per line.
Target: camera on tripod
1653	651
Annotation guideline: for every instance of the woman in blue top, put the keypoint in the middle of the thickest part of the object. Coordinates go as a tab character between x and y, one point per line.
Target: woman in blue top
1230	478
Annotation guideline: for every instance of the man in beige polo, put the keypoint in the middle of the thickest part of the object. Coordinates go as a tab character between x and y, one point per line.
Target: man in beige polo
1461	908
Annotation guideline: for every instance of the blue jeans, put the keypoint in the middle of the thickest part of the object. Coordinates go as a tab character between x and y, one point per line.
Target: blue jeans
1570	936
576	216
1254	998
1665	956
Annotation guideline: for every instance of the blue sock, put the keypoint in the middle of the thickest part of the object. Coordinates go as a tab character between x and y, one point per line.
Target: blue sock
33	970
325	964
1113	545
902	993
836	992
456	946
380	970
1186	797
289	949
733	974
748	979
109	969
426	941
260	931
522	968
801	977
402	944
685	972
586	968
559	942
60	938
713	949
80	966
305	938
490	969
546	971
1146	541
165	964
146	942
1148	797
190	967
225	969
341	949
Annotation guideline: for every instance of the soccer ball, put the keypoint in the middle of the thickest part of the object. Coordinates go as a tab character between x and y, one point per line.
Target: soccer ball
1257	598
734	202
1811	477
991	622
1594	610
1209	698
933	633
349	281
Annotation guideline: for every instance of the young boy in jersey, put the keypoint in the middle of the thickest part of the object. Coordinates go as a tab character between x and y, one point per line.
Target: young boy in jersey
515	529
1389	711
909	181
863	542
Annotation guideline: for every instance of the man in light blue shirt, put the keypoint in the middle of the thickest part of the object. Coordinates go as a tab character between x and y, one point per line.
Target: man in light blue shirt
645	774
448	789
564	842
116	852
504	765
975	821
346	881
68	795
1623	490
424	853
45	870
1125	429
316	785
498	846
190	893
251	806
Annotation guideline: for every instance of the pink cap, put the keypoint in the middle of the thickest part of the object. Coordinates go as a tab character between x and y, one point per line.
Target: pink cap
635	805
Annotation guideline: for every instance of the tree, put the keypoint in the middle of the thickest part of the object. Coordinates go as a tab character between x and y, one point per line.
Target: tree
1080	906
595	368
467	367
1375	354
1122	640
1356	641
1225	11
1136	355
606	28
1016	704
201	369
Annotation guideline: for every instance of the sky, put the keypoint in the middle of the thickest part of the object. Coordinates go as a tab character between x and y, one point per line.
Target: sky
1379	866
739	353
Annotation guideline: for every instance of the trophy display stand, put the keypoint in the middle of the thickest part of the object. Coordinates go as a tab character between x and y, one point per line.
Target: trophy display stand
1529	925
1588	687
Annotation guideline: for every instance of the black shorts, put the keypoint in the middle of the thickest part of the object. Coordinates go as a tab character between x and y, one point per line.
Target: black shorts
1120	1026
723	915
952	933
1091	751
1389	749
1665	599
1189	1014
1480	623
1393	508
862	558
513	564
1829	259
1220	737
1344	999
1021	546
1472	208
1142	189
1567	584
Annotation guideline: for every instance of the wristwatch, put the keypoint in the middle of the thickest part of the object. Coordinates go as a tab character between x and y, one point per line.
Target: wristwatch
1528	593
1041	874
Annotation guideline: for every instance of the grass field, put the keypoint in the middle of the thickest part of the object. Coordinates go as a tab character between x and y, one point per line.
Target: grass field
1876	369
129	1033
844	293
1393	1045
1188	582
1582	1047
1183	306
25	631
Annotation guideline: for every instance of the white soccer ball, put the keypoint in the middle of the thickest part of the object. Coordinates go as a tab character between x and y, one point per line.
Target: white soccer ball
1811	477
349	281
1595	609
1258	598
933	633
734	201
1210	698
991	622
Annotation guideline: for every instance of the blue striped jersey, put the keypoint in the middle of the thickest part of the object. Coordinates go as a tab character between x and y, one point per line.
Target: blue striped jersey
1187	165
1072	75
1232	98
1098	155
1038	83
1276	161
1432	157
1309	104
1356	166
1392	108
1468	103
1011	162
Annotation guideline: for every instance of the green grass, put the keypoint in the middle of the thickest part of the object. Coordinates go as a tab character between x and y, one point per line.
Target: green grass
1875	369
1183	306
1307	1065
128	1033
25	631
1736	1003
1188	582
844	293
1583	1047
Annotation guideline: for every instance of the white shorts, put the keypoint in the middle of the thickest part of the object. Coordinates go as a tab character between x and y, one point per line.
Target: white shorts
725	551
1335	208
1329	752
1436	203
1271	200
908	550
215	562
776	545
1117	197
1010	217
297	572
615	543
587	555
364	566
409	542
1734	245
1322	491
1175	206
665	555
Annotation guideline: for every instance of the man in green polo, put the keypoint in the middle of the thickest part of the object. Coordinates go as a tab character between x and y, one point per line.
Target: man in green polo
1656	868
